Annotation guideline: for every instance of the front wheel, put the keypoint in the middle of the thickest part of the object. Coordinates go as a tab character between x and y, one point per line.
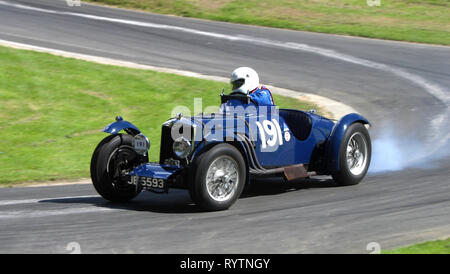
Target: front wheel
354	155
219	178
112	159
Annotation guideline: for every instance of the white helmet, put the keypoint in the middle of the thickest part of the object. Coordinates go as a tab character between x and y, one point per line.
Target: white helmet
244	80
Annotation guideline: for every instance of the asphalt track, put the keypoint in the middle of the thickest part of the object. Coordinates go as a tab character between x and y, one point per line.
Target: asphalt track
401	87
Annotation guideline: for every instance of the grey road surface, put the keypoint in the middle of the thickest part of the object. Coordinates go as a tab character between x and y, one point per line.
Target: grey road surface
401	88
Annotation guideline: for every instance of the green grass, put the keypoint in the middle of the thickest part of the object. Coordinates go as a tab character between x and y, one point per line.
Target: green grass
426	21
52	110
433	247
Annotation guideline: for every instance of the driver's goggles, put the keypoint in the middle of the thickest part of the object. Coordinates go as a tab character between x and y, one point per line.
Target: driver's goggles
238	83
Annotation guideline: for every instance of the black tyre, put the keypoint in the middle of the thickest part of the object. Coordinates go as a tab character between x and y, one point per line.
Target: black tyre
354	156
114	157
218	178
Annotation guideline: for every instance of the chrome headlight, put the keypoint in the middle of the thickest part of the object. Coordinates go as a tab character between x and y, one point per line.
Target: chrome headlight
181	147
141	144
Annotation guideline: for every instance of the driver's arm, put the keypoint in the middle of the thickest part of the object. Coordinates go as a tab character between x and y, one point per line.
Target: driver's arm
262	97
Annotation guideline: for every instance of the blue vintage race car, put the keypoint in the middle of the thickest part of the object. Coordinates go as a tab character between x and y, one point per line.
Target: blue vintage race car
215	155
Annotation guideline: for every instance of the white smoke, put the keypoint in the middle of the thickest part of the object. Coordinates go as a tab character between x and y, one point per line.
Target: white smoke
392	152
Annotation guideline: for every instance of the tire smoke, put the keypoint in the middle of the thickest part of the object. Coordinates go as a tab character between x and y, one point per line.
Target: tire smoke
392	152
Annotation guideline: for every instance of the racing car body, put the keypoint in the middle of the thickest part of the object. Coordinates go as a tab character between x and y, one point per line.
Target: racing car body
215	155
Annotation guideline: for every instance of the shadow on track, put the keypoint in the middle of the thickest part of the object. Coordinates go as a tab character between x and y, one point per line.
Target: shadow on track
275	186
178	200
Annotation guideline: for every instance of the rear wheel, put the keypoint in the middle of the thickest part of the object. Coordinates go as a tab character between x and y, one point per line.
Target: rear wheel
354	156
219	178
111	160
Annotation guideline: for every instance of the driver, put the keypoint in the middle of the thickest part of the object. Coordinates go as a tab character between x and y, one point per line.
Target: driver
245	80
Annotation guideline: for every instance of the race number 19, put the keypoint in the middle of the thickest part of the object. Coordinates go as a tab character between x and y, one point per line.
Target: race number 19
270	133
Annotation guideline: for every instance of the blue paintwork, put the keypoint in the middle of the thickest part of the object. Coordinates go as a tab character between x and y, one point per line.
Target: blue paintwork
154	170
293	151
116	127
335	139
290	152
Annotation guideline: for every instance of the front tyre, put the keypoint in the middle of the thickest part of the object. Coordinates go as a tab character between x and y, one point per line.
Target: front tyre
219	178
111	160
354	156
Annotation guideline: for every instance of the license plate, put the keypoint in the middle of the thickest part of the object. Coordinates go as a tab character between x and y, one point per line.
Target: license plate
140	145
147	182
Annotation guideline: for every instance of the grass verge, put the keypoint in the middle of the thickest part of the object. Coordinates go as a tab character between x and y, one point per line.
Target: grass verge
432	247
425	21
52	110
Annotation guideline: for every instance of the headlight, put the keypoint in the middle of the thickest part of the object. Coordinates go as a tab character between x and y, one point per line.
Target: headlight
141	144
181	147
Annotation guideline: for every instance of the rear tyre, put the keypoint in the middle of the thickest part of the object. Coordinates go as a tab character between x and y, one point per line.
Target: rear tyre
354	156
218	178
111	160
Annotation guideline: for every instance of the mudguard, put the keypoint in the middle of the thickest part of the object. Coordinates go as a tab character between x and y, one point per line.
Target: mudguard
117	126
335	139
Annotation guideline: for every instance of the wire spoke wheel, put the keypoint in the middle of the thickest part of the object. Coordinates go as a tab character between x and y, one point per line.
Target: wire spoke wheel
218	177
357	153
354	155
222	178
